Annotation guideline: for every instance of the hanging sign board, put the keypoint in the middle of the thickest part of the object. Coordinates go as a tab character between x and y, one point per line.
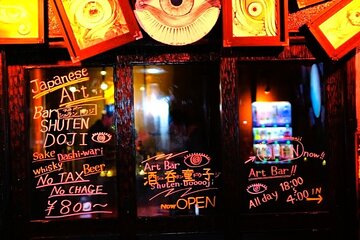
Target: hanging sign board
337	29
93	27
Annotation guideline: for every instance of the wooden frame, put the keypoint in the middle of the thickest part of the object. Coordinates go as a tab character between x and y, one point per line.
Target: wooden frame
126	131
307	3
357	157
337	29
243	23
23	22
90	28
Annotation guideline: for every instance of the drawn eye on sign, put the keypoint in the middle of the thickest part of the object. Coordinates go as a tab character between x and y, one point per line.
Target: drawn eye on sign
196	159
93	27
101	137
255	23
256	188
177	22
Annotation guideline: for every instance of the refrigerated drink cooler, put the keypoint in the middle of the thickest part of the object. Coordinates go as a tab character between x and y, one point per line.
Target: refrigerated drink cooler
272	131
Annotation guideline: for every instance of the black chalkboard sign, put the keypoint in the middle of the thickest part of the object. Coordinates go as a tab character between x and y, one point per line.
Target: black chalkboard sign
284	164
180	183
72	144
176	121
295	184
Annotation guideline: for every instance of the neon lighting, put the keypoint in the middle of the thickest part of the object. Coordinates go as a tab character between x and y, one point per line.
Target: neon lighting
315	90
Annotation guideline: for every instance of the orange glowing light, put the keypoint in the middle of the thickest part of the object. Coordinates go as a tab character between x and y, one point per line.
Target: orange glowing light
21	21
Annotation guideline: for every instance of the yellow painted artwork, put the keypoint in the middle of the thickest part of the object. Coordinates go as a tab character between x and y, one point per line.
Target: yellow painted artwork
19	19
93	22
254	18
343	25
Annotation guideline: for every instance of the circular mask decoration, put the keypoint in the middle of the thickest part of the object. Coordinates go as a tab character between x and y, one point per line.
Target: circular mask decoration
177	22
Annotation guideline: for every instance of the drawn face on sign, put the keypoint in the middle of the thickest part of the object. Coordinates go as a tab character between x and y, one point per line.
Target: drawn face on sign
177	22
254	18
